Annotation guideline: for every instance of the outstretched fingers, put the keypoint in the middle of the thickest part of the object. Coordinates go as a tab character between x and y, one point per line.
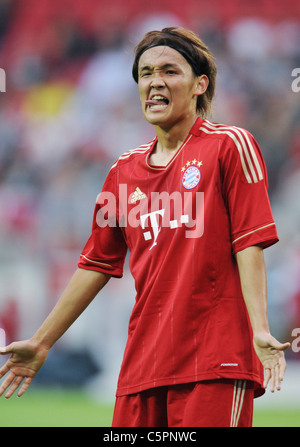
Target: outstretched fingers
267	377
24	386
12	383
15	383
7	382
3	371
282	367
274	373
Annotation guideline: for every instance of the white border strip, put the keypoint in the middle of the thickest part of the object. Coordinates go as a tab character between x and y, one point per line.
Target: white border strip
237	401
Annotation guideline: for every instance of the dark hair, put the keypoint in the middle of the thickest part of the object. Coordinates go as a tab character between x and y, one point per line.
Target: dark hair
192	48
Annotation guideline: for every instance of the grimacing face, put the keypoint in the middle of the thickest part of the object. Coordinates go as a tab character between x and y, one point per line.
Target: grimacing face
168	87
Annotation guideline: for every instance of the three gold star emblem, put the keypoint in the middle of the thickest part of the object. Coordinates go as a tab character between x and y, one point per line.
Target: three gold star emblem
192	163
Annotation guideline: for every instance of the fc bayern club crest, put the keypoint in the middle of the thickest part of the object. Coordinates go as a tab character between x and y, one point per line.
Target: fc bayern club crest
191	177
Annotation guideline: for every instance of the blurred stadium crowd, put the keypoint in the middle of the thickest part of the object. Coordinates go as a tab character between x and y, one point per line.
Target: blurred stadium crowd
71	108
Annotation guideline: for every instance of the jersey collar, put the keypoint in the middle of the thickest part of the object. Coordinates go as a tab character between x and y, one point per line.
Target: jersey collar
195	130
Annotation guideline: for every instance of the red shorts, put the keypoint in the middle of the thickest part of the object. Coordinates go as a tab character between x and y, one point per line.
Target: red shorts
215	403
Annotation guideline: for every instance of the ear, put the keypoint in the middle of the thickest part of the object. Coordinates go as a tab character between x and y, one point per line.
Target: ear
202	84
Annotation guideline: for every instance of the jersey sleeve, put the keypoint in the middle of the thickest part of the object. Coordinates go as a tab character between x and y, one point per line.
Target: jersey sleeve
245	191
105	250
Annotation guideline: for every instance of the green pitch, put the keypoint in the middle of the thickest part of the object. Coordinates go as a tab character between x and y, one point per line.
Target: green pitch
52	408
284	417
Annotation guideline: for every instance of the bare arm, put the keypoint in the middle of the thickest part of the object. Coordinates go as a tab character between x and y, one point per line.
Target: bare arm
253	277
28	356
81	290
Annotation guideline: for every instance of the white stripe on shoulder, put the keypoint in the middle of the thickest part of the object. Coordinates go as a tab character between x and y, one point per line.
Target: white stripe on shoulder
139	150
239	136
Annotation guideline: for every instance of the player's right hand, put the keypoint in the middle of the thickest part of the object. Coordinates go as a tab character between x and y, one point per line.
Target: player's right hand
26	359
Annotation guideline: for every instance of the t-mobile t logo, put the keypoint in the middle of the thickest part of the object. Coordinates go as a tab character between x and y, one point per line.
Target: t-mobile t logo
155	217
154	223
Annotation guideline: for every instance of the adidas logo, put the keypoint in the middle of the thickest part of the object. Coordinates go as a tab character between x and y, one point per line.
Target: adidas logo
137	195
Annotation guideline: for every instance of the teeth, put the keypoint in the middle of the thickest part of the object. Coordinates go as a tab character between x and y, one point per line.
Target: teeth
157	106
159	97
157	101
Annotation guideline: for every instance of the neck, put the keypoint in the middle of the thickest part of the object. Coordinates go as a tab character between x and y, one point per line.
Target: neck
170	139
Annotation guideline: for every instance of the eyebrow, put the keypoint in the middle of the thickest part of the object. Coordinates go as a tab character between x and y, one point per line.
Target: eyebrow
163	67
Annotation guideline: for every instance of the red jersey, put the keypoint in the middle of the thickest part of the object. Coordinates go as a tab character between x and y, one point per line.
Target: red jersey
182	224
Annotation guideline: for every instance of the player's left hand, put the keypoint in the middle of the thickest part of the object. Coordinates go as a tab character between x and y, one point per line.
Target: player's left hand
270	352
